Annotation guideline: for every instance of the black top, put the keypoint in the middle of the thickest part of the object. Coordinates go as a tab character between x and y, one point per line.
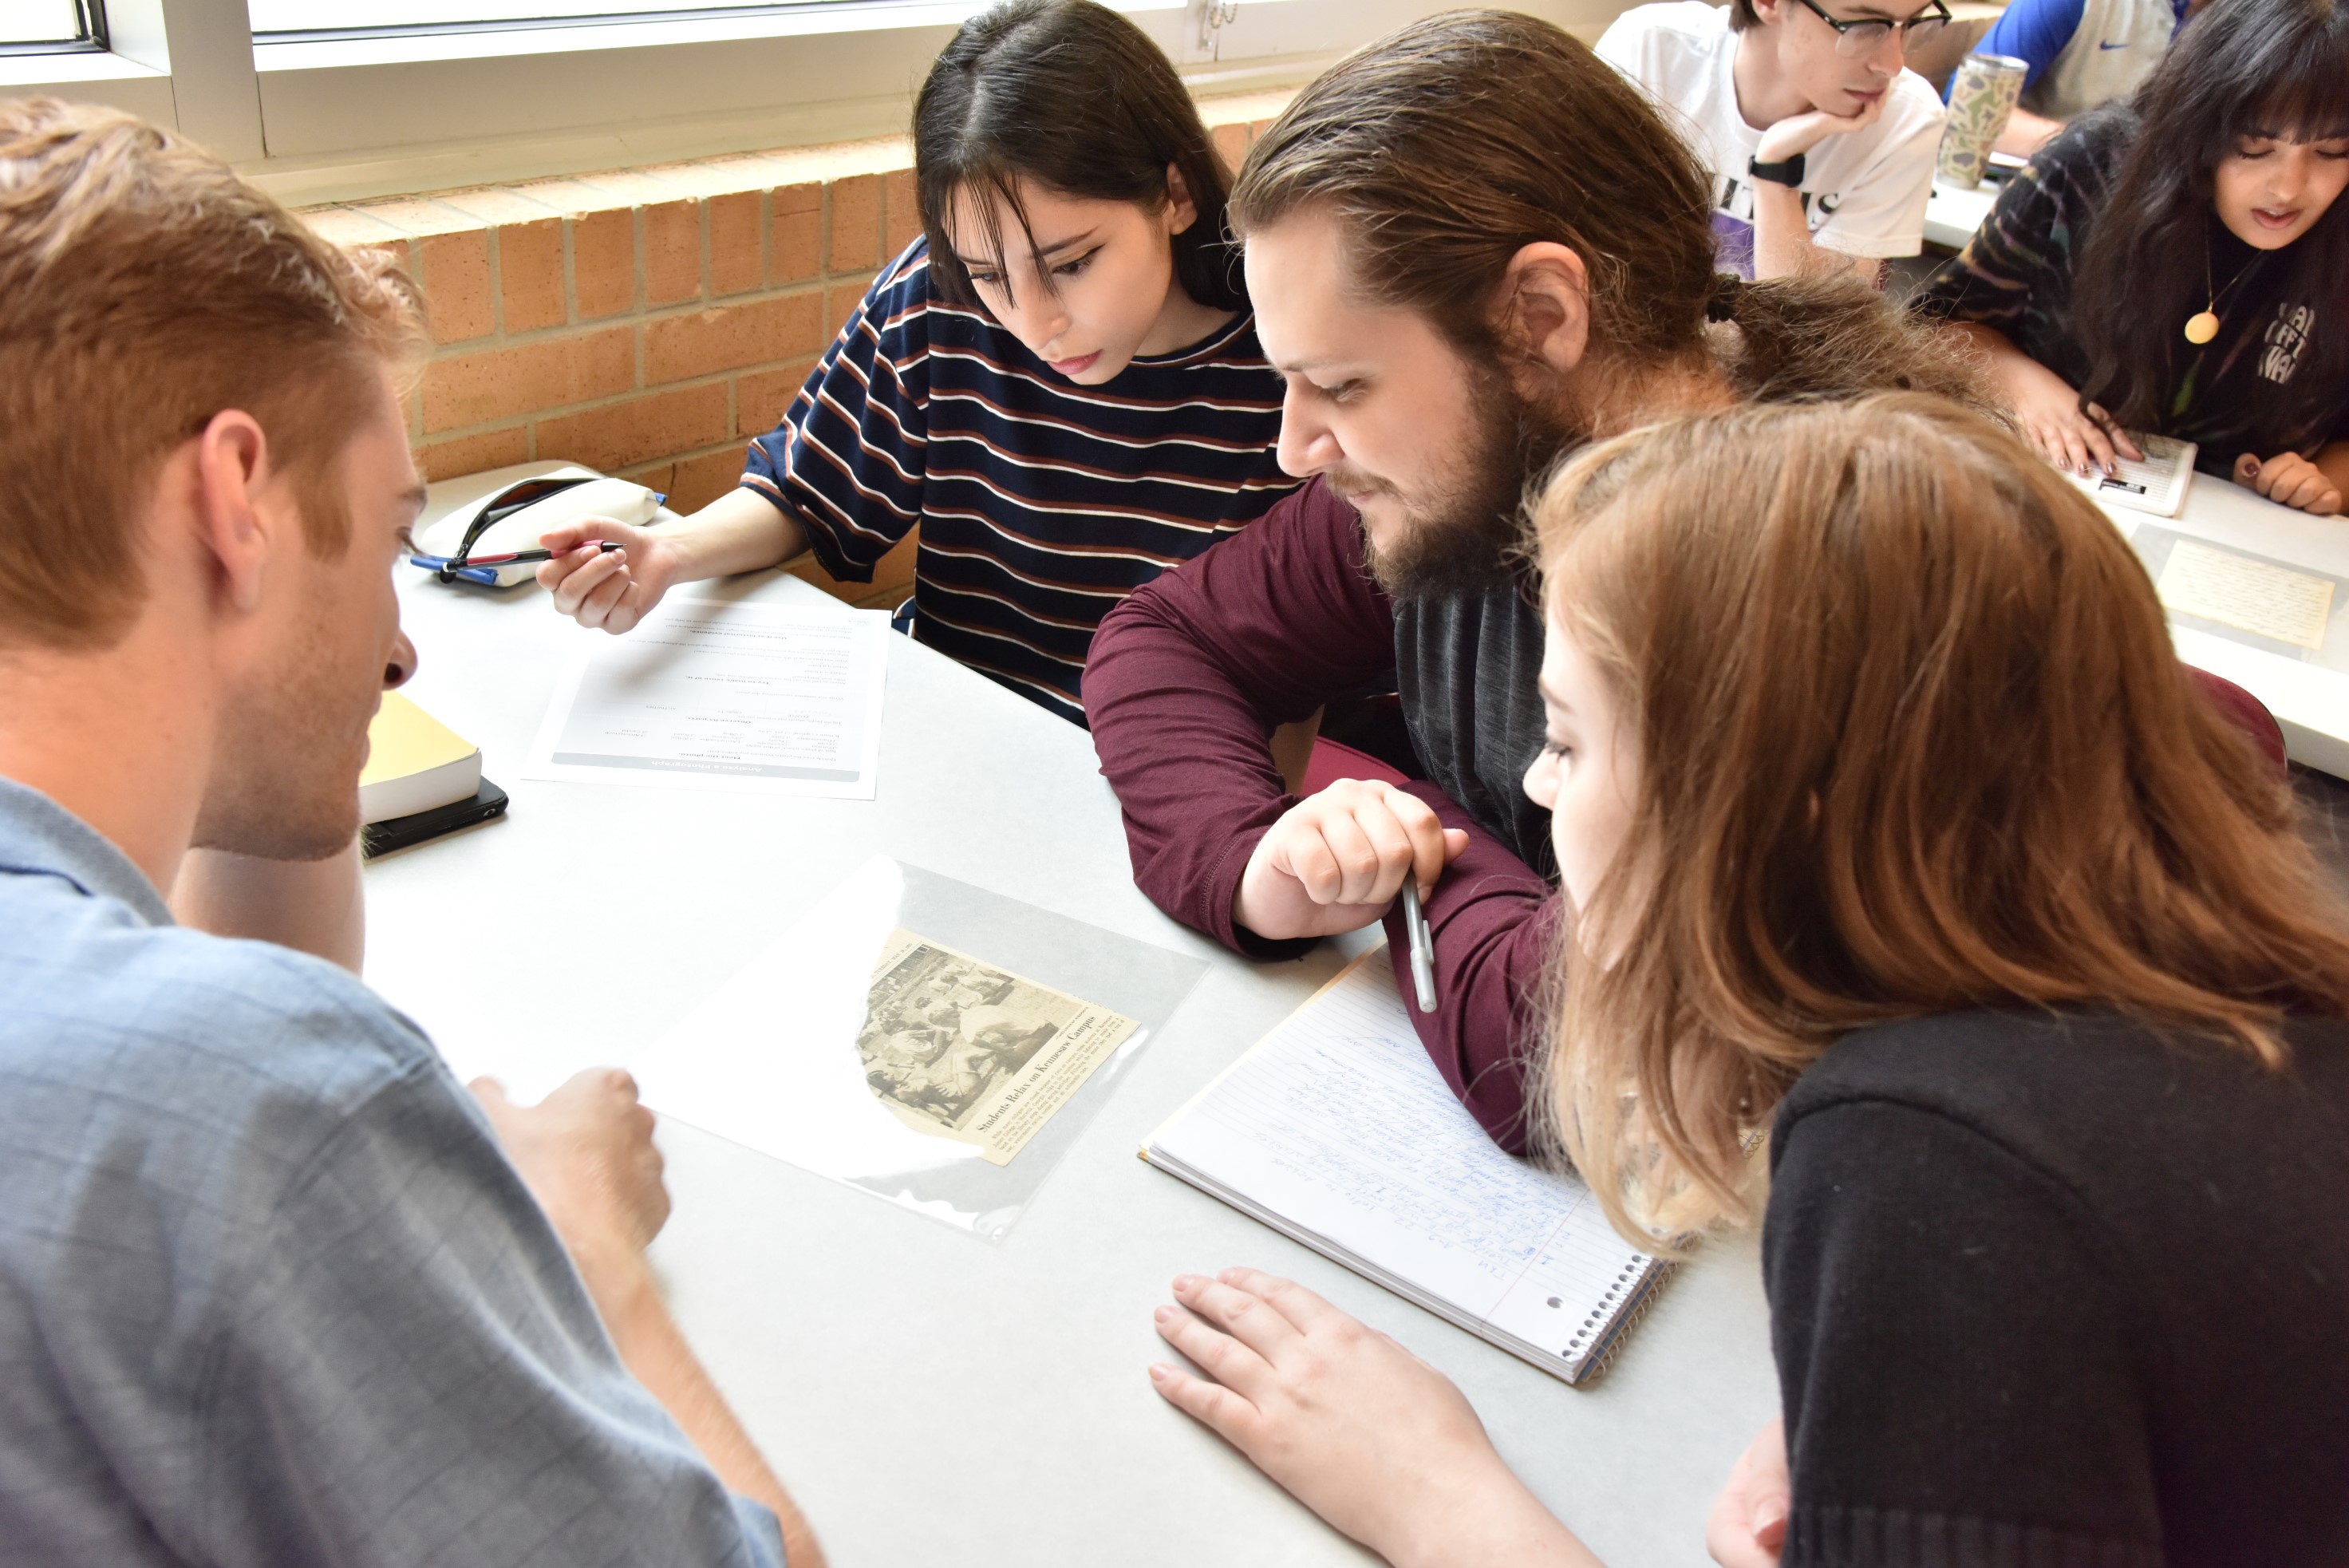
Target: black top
2015	275
2051	1290
1465	665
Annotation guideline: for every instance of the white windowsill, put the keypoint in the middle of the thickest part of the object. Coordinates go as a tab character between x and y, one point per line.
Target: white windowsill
69	70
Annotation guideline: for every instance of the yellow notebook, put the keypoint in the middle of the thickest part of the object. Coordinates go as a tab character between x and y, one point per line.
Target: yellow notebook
415	762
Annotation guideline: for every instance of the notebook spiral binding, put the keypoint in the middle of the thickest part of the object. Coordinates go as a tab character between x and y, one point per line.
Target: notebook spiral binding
1652	1287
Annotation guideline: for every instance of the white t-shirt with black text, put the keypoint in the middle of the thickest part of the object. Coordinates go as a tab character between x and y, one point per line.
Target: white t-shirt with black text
1865	192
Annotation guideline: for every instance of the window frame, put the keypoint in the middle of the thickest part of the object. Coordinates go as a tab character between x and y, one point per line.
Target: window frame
92	39
318	119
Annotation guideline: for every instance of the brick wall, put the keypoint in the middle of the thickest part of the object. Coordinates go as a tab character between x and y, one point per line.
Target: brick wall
649	322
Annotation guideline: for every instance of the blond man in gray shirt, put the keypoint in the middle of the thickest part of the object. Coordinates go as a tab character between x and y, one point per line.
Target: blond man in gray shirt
274	1288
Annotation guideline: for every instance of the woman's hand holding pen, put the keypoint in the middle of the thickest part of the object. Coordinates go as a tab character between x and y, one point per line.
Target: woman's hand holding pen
1336	860
613	589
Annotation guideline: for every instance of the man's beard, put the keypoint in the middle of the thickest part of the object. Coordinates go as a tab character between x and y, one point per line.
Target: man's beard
1463	538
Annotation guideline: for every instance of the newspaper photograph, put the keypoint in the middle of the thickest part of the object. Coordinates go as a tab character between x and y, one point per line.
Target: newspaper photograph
960	1049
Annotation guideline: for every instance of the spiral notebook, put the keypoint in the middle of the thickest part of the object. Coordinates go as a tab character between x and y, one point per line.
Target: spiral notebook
1336	1130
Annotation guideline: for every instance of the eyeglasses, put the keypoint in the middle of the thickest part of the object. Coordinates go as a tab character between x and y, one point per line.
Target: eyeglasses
494	510
1855	40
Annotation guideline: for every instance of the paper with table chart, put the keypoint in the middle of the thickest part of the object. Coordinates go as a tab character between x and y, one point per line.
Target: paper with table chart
708	695
1336	1130
2247	593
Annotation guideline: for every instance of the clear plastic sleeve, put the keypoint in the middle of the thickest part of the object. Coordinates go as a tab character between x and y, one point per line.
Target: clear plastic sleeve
930	1042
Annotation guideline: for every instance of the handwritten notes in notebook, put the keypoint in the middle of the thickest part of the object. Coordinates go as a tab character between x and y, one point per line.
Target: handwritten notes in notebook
1337	1129
2249	595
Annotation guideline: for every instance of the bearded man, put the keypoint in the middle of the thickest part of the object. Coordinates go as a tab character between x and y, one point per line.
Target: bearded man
1471	246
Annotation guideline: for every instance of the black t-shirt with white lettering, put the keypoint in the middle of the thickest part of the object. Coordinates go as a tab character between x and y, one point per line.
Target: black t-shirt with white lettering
2016	275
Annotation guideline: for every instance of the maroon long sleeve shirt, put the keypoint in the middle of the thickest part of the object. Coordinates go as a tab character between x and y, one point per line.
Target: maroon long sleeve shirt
1185	681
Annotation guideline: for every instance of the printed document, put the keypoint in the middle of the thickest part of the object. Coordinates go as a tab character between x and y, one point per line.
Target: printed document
2157	483
756	698
957	1048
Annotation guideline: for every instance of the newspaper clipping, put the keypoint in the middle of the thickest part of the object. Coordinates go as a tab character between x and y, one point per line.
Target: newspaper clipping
960	1049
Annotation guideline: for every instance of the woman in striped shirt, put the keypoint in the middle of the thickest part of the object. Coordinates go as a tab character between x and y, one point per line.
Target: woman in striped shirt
1059	382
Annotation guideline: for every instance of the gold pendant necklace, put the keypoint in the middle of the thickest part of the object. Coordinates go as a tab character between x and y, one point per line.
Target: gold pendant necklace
2203	325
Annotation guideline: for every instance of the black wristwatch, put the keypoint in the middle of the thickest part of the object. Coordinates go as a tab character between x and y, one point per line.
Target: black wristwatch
1788	174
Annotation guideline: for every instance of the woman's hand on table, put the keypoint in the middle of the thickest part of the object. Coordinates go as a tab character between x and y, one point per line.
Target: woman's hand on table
1337	859
1361	1431
613	589
2290	480
1747	1525
2047	411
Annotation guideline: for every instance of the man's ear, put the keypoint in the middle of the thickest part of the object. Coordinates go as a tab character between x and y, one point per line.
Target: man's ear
1544	305
1182	212
235	522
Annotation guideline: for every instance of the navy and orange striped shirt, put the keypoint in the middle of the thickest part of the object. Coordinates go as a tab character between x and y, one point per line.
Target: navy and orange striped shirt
1043	503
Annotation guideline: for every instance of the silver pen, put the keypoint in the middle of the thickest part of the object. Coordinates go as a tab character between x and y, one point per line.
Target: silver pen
1422	946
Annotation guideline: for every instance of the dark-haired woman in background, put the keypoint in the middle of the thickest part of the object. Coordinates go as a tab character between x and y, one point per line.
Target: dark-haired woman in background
1059	381
2180	263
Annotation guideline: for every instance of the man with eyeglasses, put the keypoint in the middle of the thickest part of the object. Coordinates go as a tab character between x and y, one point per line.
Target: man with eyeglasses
1819	143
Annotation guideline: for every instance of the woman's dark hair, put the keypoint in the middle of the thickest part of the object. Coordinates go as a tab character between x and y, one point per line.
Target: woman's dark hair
2242	68
1070	97
1448	146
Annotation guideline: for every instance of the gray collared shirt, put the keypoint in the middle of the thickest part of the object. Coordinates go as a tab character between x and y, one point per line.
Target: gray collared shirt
269	1292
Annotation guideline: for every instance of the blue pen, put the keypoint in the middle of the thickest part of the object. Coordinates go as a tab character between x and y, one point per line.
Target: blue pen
441	563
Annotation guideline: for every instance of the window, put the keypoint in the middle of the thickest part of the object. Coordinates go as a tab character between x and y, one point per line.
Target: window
332	101
29	27
362	18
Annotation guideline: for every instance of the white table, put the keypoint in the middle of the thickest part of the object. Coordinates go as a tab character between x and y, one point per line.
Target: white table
2308	698
931	1398
1951	214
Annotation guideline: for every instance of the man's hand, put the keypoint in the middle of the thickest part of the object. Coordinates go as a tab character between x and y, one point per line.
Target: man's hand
1361	1430
1798	133
586	1153
2026	133
613	590
1783	246
1335	860
2290	480
1747	1525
